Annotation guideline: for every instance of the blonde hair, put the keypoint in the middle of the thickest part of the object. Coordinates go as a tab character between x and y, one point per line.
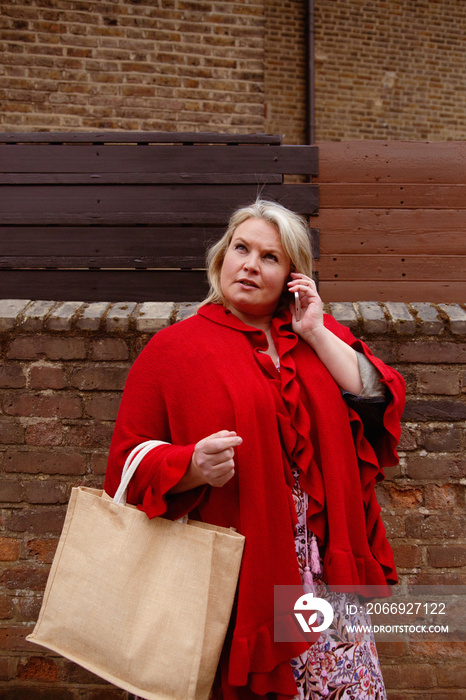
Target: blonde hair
294	235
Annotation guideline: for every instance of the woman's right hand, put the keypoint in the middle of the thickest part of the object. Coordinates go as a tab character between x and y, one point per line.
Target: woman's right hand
213	458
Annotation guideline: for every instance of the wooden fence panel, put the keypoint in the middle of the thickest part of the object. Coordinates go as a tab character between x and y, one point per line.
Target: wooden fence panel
128	217
392	218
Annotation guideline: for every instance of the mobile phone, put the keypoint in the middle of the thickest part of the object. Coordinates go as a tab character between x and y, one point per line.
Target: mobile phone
297	306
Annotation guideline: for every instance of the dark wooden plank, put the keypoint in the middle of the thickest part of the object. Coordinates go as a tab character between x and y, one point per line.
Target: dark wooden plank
375	290
37	247
104	285
133	245
168	160
393	161
143	204
139	178
136	137
411	231
392	196
393	267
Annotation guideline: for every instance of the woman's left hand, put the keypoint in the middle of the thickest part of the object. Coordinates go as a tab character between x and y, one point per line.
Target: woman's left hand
312	314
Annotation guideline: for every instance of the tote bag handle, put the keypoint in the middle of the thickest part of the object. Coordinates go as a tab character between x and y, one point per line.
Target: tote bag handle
134	459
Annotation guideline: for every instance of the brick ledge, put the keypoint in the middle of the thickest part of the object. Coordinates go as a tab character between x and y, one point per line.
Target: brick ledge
365	317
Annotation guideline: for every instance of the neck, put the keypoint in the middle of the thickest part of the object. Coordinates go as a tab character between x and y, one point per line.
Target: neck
262	323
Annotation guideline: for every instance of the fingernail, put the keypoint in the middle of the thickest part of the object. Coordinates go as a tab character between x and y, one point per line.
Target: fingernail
239	440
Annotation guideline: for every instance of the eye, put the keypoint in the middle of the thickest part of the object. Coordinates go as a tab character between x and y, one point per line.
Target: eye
271	256
239	246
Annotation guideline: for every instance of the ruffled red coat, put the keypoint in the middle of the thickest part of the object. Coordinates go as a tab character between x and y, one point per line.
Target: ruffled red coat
209	373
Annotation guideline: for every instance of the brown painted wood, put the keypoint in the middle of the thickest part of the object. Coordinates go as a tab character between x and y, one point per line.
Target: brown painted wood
393	161
121	204
139	162
406	232
126	247
442	292
104	285
392	196
392	267
142	137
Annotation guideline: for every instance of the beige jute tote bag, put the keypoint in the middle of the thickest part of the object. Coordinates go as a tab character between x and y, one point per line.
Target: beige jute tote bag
144	604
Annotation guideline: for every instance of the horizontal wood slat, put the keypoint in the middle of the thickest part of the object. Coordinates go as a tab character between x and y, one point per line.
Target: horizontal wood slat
104	285
105	204
393	267
393	161
408	232
142	137
106	247
392	219
435	291
167	161
391	196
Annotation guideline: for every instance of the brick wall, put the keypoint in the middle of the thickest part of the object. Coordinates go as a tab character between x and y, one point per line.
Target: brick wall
62	371
390	70
171	66
384	70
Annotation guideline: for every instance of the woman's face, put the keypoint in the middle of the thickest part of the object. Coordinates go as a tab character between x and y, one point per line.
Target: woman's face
255	269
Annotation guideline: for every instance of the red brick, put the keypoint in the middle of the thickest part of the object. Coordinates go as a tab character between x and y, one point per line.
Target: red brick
43	406
415	676
11	432
38	669
407	556
103	407
391	649
42	550
27	606
442	439
104	378
36	521
89	435
430	352
72	673
6	607
9	549
408	438
447	555
99	463
446	526
439	381
11	491
36	347
451	675
437	649
46	492
430	466
14	639
44	434
29	578
5	672
404	497
47	377
439	578
107	349
53	462
445	497
417	409
12	376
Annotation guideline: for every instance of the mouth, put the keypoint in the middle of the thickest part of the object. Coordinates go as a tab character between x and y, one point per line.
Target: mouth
248	283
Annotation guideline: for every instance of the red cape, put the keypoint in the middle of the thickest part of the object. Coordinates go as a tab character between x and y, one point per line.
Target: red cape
208	373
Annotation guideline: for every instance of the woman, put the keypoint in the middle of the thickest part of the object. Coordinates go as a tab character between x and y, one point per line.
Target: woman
265	407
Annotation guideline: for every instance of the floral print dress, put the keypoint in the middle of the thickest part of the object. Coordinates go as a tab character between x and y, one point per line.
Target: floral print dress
340	665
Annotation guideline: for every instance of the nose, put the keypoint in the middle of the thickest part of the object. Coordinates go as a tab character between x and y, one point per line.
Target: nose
251	263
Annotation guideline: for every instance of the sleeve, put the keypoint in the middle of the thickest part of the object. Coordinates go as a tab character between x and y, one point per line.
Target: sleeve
143	415
378	420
